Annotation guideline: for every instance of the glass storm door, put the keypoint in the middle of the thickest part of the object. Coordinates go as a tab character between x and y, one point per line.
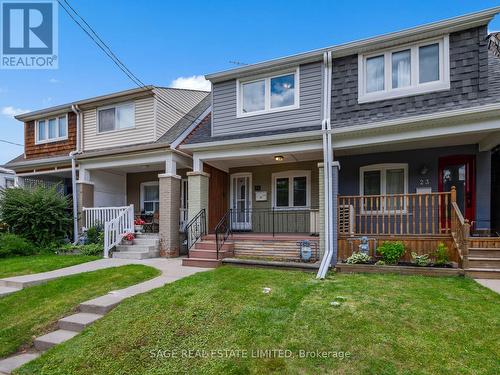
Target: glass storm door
459	171
241	202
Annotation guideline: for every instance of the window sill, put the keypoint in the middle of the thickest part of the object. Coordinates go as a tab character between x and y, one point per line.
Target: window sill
274	110
291	208
52	140
401	93
114	131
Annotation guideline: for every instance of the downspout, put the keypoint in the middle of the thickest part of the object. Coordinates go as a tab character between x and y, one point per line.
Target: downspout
329	203
72	155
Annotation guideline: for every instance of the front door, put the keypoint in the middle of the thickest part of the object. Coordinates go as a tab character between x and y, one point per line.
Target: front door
459	171
241	201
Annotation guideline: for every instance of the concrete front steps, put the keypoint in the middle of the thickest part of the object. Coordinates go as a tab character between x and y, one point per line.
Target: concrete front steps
484	263
204	253
145	246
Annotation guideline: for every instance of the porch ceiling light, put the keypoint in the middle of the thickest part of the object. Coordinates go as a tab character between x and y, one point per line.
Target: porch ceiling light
279	158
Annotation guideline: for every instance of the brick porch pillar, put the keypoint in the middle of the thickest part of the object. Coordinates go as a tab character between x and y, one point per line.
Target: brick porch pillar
198	193
85	198
170	204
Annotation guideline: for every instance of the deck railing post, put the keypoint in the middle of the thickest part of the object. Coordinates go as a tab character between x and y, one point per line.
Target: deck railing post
465	244
453	194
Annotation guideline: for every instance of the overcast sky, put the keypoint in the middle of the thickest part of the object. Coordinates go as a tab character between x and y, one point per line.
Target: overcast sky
171	43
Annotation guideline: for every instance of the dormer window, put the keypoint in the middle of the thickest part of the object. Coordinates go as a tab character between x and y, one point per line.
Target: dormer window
408	70
116	117
268	94
51	129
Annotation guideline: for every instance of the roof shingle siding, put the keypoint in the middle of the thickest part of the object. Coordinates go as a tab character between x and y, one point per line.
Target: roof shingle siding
470	66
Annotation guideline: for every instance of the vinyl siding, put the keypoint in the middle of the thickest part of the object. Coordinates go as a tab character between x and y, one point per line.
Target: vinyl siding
143	132
308	114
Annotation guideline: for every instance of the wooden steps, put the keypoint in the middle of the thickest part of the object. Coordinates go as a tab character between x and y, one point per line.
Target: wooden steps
484	258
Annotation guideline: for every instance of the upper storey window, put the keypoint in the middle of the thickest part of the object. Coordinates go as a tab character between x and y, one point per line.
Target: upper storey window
52	129
268	94
408	70
116	117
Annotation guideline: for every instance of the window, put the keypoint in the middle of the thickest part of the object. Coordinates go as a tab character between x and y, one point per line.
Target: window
292	189
410	70
9	183
268	94
382	180
116	117
150	197
52	129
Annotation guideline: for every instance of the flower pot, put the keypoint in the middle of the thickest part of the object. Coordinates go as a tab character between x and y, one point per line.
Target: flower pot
138	228
127	242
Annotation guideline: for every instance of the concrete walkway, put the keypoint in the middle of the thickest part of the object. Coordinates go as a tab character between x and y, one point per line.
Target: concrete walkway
92	310
493	284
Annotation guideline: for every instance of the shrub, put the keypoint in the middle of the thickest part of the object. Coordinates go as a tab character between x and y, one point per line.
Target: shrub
358	258
441	255
93	234
391	252
420	260
40	215
91	249
380	263
12	244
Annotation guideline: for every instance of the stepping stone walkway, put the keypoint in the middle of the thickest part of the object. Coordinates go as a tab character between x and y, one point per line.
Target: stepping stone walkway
92	310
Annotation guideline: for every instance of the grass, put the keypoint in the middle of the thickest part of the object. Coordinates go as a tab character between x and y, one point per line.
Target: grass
35	310
389	324
39	263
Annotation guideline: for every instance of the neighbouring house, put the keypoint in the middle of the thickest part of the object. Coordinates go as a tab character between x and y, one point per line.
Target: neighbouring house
7	178
394	137
405	126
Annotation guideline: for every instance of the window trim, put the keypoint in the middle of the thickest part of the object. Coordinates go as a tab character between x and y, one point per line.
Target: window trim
116	105
383	186
267	93
11	180
149	183
290	175
47	139
415	87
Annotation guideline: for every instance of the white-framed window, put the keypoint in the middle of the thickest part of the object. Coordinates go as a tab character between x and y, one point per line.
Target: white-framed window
51	129
291	189
9	183
116	117
150	197
385	183
264	94
407	70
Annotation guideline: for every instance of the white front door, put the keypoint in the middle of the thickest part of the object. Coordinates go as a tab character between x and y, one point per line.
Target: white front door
241	201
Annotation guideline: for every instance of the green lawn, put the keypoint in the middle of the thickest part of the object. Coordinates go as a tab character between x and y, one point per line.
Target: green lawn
39	263
389	324
35	310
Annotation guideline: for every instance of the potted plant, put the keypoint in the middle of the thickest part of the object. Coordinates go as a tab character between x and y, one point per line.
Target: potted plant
128	239
138	223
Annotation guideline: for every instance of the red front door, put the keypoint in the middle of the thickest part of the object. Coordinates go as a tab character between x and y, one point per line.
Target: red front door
459	171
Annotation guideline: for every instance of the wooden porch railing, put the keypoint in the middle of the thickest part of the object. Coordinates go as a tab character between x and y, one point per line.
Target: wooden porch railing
460	230
394	214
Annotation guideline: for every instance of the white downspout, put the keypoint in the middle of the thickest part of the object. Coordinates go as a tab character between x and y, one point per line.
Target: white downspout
72	155
329	221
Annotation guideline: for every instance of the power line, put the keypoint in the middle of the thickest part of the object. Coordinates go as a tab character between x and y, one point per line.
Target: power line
92	34
11	143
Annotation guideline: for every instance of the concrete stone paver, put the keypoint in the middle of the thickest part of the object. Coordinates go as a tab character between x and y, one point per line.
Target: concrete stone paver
493	284
9	364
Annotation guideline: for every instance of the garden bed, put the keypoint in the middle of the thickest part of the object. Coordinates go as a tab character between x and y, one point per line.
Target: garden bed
401	269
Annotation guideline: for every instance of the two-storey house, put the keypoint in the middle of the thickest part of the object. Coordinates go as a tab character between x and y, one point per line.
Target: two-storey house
391	137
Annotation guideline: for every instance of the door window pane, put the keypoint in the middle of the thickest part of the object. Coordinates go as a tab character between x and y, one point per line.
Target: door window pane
62	127
394	181
454	175
375	74
52	128
401	69
125	116
106	119
299	191
253	96
41	130
282	192
282	91
429	63
371	183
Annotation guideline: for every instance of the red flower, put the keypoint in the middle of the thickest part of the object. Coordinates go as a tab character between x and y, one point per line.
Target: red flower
139	221
129	237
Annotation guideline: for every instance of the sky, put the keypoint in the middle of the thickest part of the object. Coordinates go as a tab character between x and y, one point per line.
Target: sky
174	43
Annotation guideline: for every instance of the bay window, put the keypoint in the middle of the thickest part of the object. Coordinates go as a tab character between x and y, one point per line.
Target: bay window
291	189
51	129
408	70
268	94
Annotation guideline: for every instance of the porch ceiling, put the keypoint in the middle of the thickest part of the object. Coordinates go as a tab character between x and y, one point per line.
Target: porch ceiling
138	168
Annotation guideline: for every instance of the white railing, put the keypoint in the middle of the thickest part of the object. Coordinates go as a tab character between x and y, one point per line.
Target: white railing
98	216
115	229
183	219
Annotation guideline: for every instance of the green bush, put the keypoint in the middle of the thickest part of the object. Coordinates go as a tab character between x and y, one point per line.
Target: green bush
92	249
358	258
420	260
40	215
95	235
391	252
441	255
12	244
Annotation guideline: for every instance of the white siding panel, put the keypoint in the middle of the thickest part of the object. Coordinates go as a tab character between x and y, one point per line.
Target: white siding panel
109	188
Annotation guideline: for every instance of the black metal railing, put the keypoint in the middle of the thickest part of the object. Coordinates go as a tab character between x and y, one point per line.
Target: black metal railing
275	220
223	231
195	229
